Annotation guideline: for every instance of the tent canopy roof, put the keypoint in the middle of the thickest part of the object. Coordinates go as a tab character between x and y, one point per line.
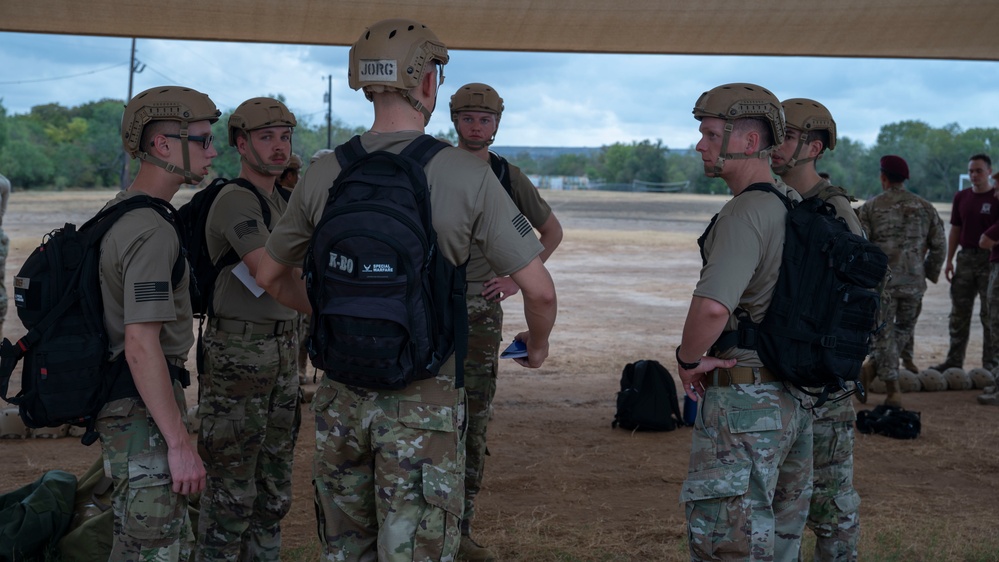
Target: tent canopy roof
944	29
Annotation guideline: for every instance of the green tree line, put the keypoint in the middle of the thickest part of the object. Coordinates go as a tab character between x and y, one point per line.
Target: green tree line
53	146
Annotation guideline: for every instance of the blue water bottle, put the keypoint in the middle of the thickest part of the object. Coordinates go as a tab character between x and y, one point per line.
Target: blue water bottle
689	410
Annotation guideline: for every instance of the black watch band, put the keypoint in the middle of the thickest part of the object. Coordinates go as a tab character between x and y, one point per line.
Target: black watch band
684	365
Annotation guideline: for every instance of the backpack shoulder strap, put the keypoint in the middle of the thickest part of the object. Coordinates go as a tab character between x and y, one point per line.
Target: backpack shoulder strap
264	207
350	151
770	187
423	149
831	191
501	167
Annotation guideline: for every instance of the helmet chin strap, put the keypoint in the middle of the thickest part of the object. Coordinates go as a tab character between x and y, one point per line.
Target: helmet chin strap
258	164
794	160
189	176
720	161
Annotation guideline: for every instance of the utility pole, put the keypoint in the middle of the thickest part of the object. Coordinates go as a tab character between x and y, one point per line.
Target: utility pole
133	68
329	111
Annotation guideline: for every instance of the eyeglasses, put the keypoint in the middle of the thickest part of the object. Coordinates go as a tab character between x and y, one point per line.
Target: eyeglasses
440	72
206	142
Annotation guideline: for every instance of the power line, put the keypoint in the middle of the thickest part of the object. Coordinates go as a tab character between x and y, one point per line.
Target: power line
66	77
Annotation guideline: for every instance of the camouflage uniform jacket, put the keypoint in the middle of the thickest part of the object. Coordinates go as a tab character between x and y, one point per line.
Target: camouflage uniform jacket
909	230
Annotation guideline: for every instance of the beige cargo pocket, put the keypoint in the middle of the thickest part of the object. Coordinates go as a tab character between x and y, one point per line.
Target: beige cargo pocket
152	510
220	442
718	511
848	502
437	535
751	421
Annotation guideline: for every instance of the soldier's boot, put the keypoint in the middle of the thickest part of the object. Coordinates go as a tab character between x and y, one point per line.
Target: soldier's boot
910	366
471	551
944	366
867	374
894	397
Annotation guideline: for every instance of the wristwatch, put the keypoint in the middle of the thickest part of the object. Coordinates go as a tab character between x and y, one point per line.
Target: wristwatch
683	364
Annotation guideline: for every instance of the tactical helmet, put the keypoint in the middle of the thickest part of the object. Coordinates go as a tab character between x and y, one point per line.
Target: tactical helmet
294	162
319	154
806	115
11	425
259	113
50	432
391	55
932	380
909	381
981	378
476	97
957	379
166	103
738	101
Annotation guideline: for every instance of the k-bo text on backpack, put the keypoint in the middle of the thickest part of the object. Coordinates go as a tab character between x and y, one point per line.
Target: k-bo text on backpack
67	377
388	308
817	330
647	400
204	272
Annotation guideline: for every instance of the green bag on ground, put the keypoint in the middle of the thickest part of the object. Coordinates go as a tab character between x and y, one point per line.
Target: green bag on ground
35	516
90	534
92	531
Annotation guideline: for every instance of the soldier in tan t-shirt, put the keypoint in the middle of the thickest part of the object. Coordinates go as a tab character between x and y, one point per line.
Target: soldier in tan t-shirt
476	110
751	448
834	514
249	400
147	451
389	464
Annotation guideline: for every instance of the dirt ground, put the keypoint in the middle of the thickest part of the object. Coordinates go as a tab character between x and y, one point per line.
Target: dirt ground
560	483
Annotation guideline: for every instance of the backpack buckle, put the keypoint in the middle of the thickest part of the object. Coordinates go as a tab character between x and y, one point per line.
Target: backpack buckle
747	336
828	342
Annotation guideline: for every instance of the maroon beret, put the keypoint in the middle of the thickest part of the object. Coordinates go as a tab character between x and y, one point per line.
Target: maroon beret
895	166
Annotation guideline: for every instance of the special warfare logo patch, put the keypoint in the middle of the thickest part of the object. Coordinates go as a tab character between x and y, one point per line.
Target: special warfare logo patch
378	267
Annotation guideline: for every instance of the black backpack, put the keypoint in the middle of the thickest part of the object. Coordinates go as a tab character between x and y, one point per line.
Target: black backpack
204	272
890	421
67	376
388	308
194	217
817	331
648	399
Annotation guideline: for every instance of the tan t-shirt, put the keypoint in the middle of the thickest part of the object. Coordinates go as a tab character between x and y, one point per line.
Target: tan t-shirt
136	265
743	252
469	207
236	221
530	203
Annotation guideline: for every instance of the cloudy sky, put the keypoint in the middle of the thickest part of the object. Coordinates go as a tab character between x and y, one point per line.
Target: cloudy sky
552	99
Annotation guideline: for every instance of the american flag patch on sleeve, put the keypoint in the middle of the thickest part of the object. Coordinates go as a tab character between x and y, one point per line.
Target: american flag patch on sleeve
152	291
522	225
246	227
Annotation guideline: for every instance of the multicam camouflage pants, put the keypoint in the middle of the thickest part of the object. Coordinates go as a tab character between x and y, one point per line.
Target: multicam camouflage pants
899	315
4	250
971	279
993	298
750	477
485	331
151	522
388	471
249	412
834	514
